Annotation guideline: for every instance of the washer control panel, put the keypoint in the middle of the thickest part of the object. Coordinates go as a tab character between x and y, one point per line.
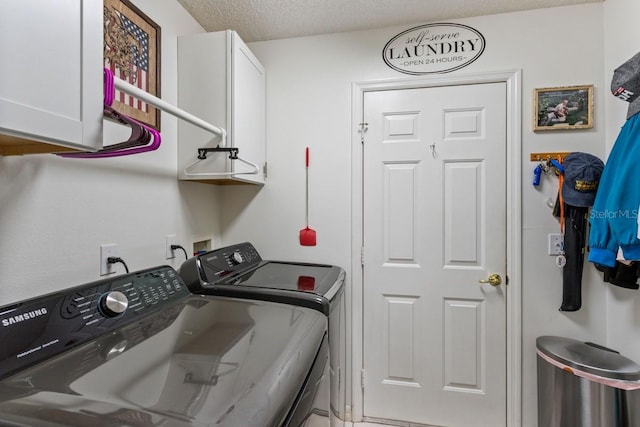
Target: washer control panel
36	329
224	262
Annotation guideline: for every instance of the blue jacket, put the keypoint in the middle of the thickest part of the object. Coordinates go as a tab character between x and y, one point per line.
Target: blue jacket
614	217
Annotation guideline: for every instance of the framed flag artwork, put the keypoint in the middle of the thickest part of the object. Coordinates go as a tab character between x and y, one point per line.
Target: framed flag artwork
132	53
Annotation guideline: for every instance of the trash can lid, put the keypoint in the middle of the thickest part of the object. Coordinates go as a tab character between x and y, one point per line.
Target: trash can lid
589	357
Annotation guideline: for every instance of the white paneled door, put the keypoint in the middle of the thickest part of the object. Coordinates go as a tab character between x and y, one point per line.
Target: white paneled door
434	227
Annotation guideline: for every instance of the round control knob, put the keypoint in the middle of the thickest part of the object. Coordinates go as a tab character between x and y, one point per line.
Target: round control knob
237	258
113	303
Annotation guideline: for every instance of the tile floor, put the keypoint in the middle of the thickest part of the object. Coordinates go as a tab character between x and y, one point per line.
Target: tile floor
368	425
315	421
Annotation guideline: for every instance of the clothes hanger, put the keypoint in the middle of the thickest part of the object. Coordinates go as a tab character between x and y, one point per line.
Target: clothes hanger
124	152
203	157
140	135
109	89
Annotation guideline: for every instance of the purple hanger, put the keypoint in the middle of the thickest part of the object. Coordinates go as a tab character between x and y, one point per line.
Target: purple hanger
118	153
140	136
109	88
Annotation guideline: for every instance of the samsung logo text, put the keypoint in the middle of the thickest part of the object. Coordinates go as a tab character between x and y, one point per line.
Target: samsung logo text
24	316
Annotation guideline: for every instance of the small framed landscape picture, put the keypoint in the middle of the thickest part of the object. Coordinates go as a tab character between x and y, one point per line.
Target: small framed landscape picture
563	108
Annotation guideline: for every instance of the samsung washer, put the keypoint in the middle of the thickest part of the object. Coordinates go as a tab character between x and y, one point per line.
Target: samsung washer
140	350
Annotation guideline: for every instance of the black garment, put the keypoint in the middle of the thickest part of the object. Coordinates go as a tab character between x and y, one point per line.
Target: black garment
575	240
625	276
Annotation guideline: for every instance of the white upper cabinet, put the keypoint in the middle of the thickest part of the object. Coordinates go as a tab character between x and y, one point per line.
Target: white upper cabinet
51	80
223	83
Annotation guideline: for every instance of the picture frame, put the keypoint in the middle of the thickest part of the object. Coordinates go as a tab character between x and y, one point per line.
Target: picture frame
563	108
132	53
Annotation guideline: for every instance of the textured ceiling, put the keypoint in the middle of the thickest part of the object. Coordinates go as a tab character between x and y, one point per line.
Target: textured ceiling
258	20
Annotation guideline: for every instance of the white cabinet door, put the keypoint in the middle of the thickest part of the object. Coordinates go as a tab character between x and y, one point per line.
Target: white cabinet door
248	124
50	76
221	82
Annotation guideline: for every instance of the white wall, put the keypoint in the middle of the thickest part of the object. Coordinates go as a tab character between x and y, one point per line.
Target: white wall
621	43
55	213
309	104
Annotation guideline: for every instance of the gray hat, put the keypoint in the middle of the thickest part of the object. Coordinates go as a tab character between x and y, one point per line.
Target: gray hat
582	173
626	84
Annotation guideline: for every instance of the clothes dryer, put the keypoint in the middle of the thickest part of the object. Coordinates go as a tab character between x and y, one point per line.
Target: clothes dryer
239	271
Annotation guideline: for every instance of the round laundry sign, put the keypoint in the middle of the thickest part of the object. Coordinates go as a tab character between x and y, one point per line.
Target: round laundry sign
433	48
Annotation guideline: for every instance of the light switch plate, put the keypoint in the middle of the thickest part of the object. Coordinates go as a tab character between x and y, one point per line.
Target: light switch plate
555	244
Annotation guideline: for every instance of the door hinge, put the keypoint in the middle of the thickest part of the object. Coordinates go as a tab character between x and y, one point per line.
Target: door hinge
362	379
362	256
363	128
264	170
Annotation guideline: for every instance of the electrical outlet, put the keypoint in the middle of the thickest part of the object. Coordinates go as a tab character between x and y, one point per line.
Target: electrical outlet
170	240
555	244
107	251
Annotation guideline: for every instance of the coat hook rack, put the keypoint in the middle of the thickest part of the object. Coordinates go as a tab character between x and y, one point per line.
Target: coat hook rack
544	157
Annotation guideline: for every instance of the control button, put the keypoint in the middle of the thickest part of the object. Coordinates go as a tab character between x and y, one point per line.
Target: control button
113	303
236	258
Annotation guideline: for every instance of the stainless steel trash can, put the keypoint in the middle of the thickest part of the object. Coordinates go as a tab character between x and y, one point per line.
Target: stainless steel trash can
585	385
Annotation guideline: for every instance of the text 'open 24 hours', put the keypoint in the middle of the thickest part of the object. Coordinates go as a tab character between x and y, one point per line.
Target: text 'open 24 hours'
433	48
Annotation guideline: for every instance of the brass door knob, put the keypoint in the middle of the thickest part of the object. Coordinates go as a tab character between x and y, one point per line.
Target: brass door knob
494	280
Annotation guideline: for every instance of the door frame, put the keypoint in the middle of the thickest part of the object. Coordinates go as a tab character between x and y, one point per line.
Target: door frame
513	80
